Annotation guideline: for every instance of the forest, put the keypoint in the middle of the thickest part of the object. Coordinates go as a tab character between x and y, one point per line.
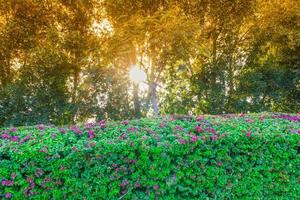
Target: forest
67	61
150	99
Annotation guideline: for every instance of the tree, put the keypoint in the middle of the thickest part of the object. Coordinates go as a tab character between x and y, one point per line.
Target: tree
152	34
271	77
65	61
79	40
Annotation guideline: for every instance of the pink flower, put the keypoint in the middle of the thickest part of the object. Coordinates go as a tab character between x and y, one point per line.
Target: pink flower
198	129
130	161
28	191
48	179
194	138
61	130
8	195
179	128
29	180
124	136
125	122
41	127
242	115
156	187
214	137
44	149
262	118
77	130
91	134
5	136
124	183
137	185
13	175
219	164
93	144
102	124
74	148
25	138
39	172
7	183
162	125
131	129
200	118
13	129
248	134
89	125
182	141
249	120
213	131
15	138
115	165
174	177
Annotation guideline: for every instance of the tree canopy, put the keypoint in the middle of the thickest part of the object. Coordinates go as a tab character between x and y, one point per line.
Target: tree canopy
68	60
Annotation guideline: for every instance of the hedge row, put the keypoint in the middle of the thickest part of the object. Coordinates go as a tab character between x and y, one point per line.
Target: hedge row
210	157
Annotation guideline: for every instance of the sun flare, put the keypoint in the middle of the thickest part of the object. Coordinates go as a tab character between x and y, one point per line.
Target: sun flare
137	75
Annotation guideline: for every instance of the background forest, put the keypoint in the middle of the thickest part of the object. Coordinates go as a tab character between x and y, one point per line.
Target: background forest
63	61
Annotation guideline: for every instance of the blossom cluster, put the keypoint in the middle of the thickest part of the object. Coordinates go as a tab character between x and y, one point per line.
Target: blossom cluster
152	157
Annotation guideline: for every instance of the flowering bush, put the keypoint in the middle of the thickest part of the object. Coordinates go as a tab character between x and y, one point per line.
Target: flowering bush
209	157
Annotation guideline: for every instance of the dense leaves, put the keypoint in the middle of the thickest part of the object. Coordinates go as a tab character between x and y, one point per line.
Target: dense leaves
64	61
208	157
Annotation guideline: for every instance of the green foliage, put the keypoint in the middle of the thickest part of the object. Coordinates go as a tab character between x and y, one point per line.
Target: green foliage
40	96
211	157
106	95
65	61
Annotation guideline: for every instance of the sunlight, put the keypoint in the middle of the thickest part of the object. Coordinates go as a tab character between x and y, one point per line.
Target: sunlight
137	75
102	27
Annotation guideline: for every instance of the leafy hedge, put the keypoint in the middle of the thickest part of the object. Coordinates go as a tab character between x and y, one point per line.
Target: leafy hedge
209	157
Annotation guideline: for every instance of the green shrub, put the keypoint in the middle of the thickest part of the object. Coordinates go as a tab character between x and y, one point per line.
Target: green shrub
211	157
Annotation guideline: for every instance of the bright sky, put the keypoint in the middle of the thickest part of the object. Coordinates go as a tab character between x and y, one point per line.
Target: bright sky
138	76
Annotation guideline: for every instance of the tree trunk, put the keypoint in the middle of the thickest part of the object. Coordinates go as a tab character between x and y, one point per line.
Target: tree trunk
154	99
75	85
6	75
214	59
137	107
74	94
